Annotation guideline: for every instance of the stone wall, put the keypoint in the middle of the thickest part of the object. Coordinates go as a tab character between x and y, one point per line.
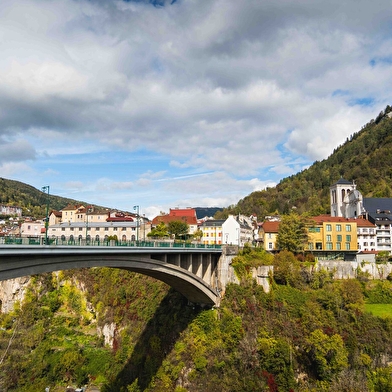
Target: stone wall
350	269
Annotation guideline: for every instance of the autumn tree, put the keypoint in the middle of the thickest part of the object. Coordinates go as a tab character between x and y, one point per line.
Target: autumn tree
178	228
159	232
292	233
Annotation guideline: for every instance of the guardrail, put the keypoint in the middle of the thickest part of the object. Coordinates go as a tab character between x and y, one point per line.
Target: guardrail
83	242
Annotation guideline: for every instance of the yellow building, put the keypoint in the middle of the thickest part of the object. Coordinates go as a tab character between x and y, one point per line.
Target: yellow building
333	234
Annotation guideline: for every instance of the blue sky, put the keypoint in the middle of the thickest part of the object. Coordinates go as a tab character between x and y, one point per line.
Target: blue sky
168	104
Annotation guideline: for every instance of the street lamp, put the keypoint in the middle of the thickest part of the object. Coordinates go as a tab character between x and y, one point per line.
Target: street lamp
136	208
46	189
87	211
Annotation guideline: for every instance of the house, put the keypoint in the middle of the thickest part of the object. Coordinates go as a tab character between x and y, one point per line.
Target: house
32	228
187	215
332	237
269	234
80	223
212	232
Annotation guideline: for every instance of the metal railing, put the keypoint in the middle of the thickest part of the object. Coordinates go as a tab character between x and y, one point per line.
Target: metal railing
92	242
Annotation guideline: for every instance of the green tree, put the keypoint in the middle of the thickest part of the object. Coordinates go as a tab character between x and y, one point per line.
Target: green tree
292	233
327	353
178	228
159	232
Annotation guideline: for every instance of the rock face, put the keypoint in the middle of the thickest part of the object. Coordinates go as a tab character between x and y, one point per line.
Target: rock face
11	291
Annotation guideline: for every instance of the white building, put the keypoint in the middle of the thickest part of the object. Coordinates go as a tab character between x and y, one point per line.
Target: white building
232	231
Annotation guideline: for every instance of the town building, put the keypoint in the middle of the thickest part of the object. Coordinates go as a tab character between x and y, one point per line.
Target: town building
187	215
33	229
10	210
332	237
87	224
347	201
269	234
234	230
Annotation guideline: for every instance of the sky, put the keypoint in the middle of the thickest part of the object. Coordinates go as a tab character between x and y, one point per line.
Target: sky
188	103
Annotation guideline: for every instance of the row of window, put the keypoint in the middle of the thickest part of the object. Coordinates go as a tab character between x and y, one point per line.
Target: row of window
338	227
97	238
96	228
338	238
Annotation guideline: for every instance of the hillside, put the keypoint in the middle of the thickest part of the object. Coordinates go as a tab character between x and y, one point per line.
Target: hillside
31	200
365	157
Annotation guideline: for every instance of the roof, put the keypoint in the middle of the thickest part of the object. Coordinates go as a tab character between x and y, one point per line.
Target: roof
213	222
364	223
180	212
270	226
342	181
328	218
190	220
373	204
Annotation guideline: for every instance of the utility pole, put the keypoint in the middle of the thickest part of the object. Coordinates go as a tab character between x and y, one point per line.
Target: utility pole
46	189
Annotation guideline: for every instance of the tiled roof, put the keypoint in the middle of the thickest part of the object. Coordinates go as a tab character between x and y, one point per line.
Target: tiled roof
182	212
328	218
270	226
190	220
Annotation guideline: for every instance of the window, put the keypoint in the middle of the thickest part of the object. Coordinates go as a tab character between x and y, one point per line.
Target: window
319	245
314	229
338	227
348	238
310	245
329	238
339	238
329	245
348	227
328	227
106	228
124	229
63	229
269	245
114	228
338	246
269	235
80	228
347	246
97	228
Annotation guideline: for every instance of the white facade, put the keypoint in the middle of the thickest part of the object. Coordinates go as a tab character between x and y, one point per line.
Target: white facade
79	231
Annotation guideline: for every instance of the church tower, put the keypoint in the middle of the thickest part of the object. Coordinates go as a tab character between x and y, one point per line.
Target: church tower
338	197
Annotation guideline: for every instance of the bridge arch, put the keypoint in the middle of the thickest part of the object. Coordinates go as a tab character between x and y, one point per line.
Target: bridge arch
24	263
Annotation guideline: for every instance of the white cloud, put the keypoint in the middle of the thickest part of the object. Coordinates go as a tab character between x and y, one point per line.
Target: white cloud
248	92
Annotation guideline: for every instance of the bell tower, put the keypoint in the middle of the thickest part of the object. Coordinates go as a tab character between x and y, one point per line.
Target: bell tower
338	193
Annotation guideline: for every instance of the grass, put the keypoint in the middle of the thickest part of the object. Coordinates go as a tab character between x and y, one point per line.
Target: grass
379	310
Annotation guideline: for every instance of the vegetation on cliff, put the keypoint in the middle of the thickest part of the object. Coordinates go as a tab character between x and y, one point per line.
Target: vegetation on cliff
309	333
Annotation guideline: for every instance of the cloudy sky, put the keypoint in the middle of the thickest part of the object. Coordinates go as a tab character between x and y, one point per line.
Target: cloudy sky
184	103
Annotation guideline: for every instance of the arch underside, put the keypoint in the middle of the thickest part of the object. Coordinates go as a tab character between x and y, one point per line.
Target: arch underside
188	284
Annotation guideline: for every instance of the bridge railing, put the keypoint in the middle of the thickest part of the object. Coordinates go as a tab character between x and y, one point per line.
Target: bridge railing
93	242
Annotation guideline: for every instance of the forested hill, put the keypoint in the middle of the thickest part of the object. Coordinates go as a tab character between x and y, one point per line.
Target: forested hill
31	200
365	157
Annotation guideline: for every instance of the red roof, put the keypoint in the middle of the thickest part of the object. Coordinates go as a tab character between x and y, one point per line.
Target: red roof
270	226
190	220
182	212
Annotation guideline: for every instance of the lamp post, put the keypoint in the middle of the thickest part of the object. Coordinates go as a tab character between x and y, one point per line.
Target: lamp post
87	211
136	208
46	189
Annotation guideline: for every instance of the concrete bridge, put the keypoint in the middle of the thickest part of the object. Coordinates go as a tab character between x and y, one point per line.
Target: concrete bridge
194	272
